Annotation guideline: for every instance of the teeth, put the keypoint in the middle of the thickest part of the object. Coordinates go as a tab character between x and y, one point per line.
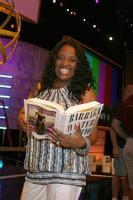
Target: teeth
64	71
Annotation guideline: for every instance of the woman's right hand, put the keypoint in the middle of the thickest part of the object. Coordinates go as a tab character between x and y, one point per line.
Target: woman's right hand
21	116
21	120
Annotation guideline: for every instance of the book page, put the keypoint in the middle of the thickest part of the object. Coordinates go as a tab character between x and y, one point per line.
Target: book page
87	119
82	107
45	104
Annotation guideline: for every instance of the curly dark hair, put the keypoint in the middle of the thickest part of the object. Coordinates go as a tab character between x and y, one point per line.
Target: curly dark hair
83	78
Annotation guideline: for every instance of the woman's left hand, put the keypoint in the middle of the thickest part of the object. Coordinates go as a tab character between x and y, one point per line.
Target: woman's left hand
68	141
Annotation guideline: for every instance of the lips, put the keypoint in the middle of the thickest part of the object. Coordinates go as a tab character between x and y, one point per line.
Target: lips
64	71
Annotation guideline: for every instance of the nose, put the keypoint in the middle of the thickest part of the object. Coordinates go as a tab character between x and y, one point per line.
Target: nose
65	61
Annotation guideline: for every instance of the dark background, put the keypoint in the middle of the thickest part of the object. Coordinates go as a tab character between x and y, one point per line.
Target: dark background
114	17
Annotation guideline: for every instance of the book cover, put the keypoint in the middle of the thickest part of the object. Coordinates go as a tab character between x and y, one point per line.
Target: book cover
104	119
41	115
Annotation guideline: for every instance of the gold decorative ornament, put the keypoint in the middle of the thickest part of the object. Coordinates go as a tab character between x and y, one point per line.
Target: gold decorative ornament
7	12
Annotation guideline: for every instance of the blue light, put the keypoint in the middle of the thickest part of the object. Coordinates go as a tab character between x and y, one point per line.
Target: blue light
5	86
6	107
5	76
1	164
3	127
5	96
2	117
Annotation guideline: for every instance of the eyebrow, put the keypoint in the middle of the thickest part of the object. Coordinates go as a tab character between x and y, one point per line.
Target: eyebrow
73	56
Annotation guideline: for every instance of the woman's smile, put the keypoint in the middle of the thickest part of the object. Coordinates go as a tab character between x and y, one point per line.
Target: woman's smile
64	71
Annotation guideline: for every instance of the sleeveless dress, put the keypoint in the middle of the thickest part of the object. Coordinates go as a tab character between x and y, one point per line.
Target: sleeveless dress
45	162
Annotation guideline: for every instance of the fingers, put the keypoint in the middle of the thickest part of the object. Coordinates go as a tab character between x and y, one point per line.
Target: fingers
55	136
30	129
67	141
78	130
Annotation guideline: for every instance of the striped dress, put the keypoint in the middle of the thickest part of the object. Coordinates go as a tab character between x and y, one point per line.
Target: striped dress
46	163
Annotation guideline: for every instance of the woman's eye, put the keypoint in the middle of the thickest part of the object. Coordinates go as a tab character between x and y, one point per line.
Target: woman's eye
73	60
59	58
70	60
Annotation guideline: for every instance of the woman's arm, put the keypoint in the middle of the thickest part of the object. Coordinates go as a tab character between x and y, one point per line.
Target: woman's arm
118	128
35	90
116	149
89	96
21	115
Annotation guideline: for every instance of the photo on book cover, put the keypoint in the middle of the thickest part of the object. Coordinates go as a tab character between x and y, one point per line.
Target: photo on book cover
40	119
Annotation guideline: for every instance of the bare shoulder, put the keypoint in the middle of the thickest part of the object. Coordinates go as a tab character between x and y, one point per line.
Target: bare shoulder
35	90
89	96
38	85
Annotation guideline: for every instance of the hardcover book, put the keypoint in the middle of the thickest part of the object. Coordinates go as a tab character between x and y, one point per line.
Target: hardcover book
41	115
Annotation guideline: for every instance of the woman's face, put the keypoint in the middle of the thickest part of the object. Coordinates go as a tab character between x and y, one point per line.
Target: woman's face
66	63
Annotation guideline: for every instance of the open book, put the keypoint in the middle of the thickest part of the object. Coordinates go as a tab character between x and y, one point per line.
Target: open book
41	115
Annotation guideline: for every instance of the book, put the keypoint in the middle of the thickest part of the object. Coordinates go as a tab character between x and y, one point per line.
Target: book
42	115
104	119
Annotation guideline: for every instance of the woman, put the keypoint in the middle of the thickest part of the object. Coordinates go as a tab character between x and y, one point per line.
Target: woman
57	168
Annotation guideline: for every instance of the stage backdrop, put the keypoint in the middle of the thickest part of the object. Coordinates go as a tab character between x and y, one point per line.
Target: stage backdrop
24	68
18	76
109	78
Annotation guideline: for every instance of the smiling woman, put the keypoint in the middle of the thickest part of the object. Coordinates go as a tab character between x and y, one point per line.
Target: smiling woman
61	161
